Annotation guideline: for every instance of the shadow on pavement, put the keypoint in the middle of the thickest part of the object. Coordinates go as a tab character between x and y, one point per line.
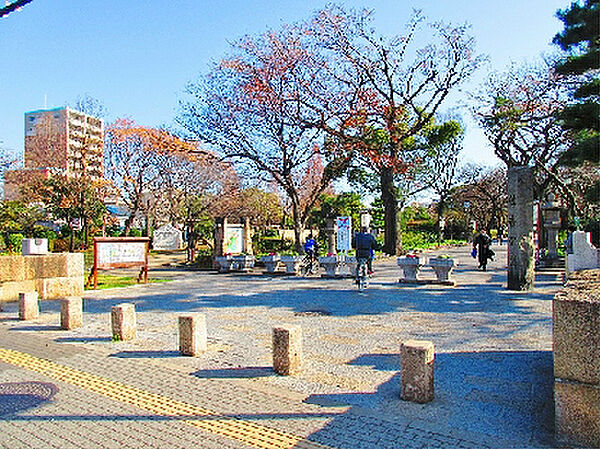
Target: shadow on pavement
236	373
491	397
146	354
16	397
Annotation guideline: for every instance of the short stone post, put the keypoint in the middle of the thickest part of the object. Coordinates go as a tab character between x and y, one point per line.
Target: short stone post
71	313
123	322
192	334
287	349
29	308
416	377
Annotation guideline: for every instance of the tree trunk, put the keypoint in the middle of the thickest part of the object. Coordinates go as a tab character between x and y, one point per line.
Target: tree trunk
389	197
298	228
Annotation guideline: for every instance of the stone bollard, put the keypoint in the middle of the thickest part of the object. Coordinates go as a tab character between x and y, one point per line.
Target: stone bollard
71	313
287	349
123	322
416	377
192	334
29	308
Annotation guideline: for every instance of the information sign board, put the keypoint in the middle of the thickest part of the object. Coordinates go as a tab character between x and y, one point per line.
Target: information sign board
120	252
344	231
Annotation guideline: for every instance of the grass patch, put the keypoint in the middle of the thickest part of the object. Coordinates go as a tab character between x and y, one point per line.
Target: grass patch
109	281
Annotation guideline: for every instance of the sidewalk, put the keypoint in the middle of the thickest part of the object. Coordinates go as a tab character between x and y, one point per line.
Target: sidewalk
493	366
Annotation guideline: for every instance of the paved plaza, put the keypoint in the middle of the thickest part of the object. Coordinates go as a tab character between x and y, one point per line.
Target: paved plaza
493	365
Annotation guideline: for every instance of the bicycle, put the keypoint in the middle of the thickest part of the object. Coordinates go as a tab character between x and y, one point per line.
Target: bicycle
309	265
362	276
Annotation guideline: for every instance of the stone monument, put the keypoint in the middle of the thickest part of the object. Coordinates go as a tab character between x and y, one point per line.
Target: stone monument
167	238
521	262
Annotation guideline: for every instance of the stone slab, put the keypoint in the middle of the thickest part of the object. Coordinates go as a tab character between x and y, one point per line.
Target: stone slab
9	291
61	287
576	339
416	376
12	268
577	414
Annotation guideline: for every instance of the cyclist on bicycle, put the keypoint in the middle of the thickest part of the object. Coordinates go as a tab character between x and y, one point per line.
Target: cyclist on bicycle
365	244
310	246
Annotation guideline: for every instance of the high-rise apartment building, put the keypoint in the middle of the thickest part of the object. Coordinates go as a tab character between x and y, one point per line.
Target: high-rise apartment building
60	140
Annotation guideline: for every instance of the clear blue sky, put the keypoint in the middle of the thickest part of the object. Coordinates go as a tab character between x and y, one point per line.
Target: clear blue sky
136	56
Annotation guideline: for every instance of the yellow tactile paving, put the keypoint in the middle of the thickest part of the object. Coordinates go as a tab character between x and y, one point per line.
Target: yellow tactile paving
244	431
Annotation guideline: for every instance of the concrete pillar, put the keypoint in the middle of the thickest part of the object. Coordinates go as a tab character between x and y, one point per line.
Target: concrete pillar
29	307
331	242
416	376
123	322
192	334
71	313
521	263
576	347
247	236
287	349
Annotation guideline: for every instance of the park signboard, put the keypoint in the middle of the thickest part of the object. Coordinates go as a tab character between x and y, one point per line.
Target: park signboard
120	252
344	233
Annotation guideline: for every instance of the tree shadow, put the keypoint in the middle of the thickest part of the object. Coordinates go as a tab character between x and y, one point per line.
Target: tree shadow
485	399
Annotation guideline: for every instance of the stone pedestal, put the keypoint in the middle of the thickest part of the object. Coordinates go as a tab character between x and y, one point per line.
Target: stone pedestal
29	308
34	247
71	313
192	334
442	268
271	263
331	265
292	263
123	322
287	349
576	344
416	377
521	263
410	267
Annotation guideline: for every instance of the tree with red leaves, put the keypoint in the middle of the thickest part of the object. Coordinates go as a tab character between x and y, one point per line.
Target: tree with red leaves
379	95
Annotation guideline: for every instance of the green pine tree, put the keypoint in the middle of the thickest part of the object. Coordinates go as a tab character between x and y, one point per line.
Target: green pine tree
581	41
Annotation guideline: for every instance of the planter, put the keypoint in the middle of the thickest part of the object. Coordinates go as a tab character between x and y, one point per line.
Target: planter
271	263
331	265
225	263
243	263
442	268
351	263
292	263
410	266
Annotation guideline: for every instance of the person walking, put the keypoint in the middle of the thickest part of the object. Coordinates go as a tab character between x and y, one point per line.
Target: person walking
481	243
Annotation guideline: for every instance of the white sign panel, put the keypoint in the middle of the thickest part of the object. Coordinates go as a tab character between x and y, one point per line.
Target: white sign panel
121	252
234	239
344	231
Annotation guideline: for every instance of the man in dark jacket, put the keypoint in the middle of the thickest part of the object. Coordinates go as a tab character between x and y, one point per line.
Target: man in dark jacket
365	245
482	243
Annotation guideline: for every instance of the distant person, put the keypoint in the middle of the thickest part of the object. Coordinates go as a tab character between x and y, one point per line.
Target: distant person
365	244
481	243
569	240
310	246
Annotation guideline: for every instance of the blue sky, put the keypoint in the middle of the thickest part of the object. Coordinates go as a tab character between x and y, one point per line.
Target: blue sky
136	56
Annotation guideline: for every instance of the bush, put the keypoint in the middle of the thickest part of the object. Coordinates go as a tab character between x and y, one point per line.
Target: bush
15	242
